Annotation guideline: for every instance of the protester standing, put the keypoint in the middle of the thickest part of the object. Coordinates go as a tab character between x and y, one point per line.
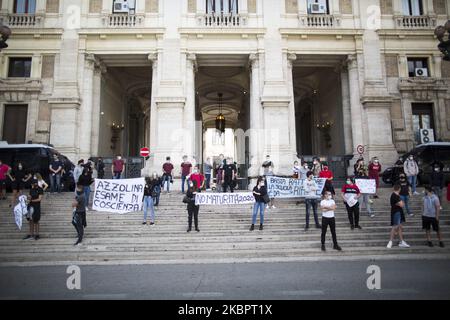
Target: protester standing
118	167
327	205
350	195
207	169
229	174
430	216
41	182
296	170
359	165
310	187
268	169
364	199
411	169
326	173
191	207
79	213
167	174
86	180
397	218
149	189
260	194
78	171
186	169
219	177
437	181
405	193
56	167
4	169
303	172
34	206
157	181
374	173
317	167
18	176
100	166
198	177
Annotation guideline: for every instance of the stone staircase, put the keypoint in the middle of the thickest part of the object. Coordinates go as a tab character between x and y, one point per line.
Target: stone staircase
224	235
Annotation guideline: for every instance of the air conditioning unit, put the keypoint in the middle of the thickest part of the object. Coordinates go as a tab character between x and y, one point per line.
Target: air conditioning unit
426	135
317	8
124	6
421	72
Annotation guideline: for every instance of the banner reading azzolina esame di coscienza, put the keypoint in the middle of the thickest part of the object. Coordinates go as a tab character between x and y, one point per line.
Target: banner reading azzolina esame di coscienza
118	196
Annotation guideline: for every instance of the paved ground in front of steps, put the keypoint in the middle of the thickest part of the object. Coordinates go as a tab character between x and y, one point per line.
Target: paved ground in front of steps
400	279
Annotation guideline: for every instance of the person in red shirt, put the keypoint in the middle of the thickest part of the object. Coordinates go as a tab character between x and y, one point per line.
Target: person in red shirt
374	172
186	168
167	174
327	174
198	177
350	195
3	171
118	167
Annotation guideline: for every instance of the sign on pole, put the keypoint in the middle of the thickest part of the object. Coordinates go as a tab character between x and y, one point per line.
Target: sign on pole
145	152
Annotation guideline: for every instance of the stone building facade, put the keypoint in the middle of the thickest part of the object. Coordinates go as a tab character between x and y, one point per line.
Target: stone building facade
297	77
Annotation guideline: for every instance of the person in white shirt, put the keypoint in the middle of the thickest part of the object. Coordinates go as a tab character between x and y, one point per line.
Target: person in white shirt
327	205
304	171
311	198
296	170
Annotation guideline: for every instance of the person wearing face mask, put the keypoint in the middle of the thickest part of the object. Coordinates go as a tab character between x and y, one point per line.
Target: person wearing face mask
327	205
364	199
359	165
148	200
4	169
118	167
198	177
374	172
55	169
296	170
34	206
350	195
310	187
303	171
157	181
191	207
18	176
326	173
86	180
437	181
260	193
79	213
405	192
411	169
317	167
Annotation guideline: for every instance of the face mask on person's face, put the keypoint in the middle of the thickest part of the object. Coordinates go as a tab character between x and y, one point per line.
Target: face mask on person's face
79	192
20	167
261	184
328	196
411	158
119	158
402	178
436	169
349	181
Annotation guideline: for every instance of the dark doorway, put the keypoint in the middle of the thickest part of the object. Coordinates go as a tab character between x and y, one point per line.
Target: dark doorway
15	123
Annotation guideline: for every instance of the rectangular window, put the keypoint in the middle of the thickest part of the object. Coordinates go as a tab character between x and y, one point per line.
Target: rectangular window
222	6
412	7
418	67
218	138
25	6
15	123
19	67
318	6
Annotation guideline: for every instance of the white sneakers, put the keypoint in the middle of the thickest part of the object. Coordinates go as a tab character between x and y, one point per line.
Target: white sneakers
402	244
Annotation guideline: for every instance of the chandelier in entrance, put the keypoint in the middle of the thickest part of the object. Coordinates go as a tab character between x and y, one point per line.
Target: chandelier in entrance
220	119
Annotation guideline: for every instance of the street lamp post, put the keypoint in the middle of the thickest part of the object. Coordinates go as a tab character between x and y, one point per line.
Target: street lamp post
444	44
5	32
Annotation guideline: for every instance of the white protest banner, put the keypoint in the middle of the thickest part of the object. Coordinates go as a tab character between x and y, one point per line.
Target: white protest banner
368	186
118	196
219	199
278	187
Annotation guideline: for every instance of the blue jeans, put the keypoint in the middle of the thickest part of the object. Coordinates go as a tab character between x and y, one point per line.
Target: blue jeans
117	175
311	203
364	199
413	181
87	193
166	179
55	183
208	180
184	180
405	199
258	206
148	204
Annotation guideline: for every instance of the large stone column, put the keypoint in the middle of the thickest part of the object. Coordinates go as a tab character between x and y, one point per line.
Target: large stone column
86	112
255	116
190	137
346	111
98	71
290	58
355	103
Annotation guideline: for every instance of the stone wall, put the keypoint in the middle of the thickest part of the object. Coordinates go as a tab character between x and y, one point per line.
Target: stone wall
445	69
151	6
192	6
251	6
48	66
52	6
386	7
439	6
346	6
291	6
391	65
95	6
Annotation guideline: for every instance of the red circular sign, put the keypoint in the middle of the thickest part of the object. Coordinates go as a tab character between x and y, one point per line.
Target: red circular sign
145	152
360	149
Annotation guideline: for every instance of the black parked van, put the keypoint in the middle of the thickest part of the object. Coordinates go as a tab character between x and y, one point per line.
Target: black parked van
426	155
36	158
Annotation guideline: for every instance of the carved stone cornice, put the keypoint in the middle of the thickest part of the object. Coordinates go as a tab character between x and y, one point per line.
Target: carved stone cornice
13	90
422	88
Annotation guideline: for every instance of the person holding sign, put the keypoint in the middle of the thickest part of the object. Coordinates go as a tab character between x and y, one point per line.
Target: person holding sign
327	205
350	195
34	206
260	194
311	197
374	172
364	199
191	207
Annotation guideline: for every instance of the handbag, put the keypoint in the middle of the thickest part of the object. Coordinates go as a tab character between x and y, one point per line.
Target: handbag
266	198
187	200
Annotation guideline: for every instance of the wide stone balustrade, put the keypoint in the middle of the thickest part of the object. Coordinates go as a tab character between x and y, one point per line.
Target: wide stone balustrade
221	20
320	21
415	22
23	20
123	20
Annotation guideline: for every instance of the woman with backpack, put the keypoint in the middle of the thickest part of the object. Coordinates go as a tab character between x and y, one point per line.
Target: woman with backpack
261	198
86	180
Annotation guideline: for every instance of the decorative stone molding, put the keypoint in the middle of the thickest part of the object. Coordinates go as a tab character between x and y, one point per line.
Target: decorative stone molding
415	22
17	90
116	20
222	20
422	89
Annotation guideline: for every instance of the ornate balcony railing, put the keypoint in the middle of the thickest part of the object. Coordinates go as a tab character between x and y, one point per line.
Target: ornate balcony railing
320	21
221	20
24	20
123	20
415	22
